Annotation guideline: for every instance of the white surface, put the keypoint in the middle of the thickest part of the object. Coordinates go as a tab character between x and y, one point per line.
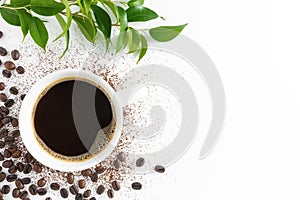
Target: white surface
255	45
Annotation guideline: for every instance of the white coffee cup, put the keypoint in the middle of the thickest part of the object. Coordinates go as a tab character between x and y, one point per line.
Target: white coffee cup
27	129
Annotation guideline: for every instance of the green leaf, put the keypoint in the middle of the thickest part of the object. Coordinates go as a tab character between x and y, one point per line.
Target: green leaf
134	40
39	32
103	20
87	6
25	20
87	27
133	3
121	43
63	25
69	20
166	33
140	14
112	7
46	7
19	3
143	49
10	16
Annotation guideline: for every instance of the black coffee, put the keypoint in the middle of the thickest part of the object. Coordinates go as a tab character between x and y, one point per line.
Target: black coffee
69	116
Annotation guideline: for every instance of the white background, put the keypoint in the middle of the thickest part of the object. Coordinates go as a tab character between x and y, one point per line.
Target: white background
255	46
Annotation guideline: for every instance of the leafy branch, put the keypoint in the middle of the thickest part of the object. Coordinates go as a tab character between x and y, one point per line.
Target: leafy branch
91	17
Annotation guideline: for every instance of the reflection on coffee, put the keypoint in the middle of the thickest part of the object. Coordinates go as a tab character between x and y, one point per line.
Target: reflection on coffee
73	119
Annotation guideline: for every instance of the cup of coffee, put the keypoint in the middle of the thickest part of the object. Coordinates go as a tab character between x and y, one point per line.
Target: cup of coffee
71	120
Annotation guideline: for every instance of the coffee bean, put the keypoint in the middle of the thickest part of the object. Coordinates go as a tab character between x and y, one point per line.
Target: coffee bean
27	169
87	193
6	73
2	86
19	184
16	154
121	156
110	193
70	178
9	65
73	189
12	148
64	193
4	110
20	167
93	198
86	172
23	195
13	169
28	157
11	177
136	186
3	97
3	51
26	181
13	90
3	133
140	162
33	189
9	103
5	189
22	97
100	189
115	185
7	154
2	145
48	198
20	70
100	169
6	120
94	177
81	184
1	157
16	193
15	54
2	176
7	163
78	197
54	186
9	139
159	169
42	182
37	168
117	164
15	133
42	191
1	34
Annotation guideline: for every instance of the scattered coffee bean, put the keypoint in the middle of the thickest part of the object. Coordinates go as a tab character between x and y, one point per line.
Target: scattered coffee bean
94	177
54	186
100	169
6	120
7	154
26	181
2	86
23	195
1	157
37	168
22	97
27	169
5	189
100	190
9	103
20	167
13	169
7	163
159	169
2	144
6	73
81	184
87	193
3	133
48	198
42	182
14	122
117	164
33	189
73	189
13	90
4	110
11	177
64	193
140	162
110	193
19	184
9	139
15	54
9	65
2	176
15	133
121	156
86	172
12	148
20	70
1	34
3	51
136	186
42	191
28	158
70	178
3	97
16	154
16	193
93	198
115	185
78	197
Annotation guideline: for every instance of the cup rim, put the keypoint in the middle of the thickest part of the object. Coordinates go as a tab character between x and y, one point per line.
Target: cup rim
27	130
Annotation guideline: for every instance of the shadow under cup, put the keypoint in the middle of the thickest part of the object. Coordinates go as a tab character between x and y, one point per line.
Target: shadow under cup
73	120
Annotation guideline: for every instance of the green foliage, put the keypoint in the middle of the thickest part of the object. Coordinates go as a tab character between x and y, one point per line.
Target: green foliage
90	16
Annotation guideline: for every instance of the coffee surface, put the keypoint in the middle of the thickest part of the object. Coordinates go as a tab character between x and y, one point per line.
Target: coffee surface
69	116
